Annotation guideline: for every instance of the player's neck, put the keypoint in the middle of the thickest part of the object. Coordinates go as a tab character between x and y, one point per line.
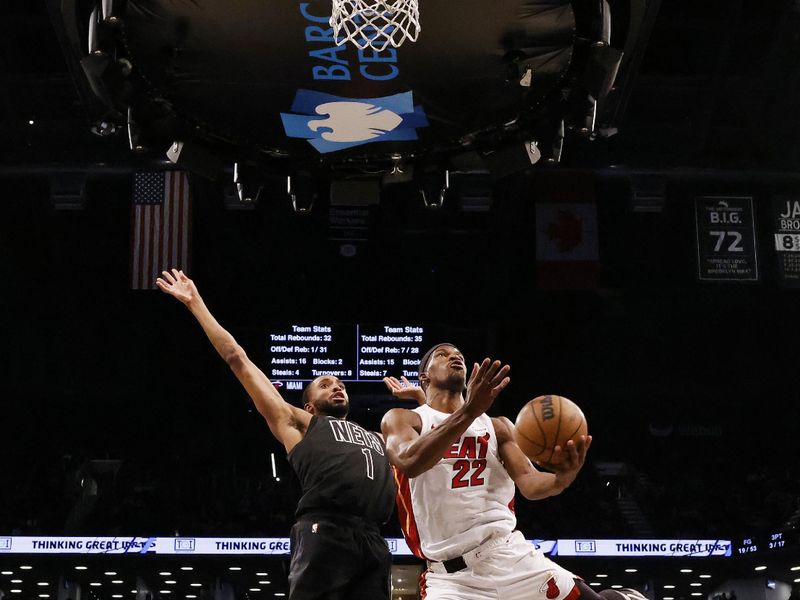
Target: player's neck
447	401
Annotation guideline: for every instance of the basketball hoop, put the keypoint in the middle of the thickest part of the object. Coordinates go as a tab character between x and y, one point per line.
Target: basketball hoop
375	23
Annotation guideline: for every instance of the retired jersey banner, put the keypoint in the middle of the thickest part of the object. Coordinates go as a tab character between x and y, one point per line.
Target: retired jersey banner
567	255
726	240
786	231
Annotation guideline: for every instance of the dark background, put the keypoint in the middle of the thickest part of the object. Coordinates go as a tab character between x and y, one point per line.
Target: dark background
96	371
117	417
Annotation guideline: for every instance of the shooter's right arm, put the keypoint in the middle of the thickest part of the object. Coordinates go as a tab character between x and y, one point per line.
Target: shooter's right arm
413	453
287	423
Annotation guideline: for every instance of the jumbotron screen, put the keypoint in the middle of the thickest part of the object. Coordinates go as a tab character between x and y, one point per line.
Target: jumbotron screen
353	352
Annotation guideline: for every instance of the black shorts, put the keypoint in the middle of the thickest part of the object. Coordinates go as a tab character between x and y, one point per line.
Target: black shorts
338	558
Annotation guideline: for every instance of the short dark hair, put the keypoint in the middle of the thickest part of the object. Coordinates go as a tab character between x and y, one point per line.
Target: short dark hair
307	392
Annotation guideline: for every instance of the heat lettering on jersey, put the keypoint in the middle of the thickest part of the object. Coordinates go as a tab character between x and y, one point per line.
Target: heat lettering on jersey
466	472
344	431
469	446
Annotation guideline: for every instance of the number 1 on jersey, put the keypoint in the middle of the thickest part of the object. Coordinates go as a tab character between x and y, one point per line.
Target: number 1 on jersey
370	466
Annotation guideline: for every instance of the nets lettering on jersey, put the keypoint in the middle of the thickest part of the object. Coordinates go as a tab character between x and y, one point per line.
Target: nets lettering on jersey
375	23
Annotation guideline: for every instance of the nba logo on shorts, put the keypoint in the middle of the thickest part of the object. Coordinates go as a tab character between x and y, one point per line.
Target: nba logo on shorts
5	544
184	545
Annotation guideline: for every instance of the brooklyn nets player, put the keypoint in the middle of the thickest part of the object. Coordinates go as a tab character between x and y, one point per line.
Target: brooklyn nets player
338	552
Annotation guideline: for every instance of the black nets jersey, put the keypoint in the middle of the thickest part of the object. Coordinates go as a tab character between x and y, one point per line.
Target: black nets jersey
343	468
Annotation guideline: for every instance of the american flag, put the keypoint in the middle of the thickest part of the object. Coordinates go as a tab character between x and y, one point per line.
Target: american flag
161	226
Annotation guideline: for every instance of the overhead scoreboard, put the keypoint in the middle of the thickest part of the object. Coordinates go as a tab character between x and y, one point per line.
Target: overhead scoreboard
349	351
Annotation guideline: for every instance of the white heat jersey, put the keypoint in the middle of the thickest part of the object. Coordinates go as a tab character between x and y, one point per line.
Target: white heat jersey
465	499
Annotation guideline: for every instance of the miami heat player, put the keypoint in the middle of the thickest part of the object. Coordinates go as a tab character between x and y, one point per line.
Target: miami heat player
456	470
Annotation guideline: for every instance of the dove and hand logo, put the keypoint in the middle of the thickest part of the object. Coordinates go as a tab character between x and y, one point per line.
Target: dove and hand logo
331	123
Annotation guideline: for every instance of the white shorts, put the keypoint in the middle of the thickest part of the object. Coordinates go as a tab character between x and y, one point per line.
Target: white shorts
510	570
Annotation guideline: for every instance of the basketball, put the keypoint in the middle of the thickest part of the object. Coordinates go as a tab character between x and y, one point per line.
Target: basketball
546	422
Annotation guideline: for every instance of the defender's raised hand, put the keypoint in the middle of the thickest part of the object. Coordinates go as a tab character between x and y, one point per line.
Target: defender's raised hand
177	285
404	390
486	381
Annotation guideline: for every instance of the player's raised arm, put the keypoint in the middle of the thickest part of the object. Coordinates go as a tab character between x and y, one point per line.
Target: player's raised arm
534	484
403	390
413	453
287	423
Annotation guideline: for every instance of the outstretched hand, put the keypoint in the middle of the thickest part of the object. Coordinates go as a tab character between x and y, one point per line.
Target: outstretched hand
486	381
568	461
404	390
177	285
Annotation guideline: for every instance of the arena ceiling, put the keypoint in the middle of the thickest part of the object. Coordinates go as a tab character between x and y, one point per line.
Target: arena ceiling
703	85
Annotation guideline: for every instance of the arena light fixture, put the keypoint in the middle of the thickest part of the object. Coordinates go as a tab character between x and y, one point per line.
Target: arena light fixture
760	568
255	589
164	591
42	584
669	587
266	582
16	591
165	573
704	576
116	595
668	598
234	568
111	12
81	568
110	573
44	595
631	570
195	584
616	586
26	567
601	575
95	584
262	574
797	568
7	572
697	593
191	596
279	594
686	570
248	188
170	581
16	581
695	584
117	581
794	580
595	583
187	568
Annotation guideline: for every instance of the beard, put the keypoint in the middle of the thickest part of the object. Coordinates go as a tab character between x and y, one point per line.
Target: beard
331	409
455	382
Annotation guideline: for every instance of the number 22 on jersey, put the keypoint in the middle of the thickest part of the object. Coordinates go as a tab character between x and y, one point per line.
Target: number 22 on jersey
471	452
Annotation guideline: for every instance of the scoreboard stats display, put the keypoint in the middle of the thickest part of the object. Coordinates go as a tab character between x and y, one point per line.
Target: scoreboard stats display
352	352
770	542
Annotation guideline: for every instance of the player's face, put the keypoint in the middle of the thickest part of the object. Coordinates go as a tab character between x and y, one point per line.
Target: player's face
447	369
328	397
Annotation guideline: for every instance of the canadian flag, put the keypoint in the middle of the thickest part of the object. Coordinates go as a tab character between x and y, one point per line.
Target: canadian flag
567	256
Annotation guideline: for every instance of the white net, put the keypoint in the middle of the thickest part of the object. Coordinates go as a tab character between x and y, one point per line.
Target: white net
375	23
